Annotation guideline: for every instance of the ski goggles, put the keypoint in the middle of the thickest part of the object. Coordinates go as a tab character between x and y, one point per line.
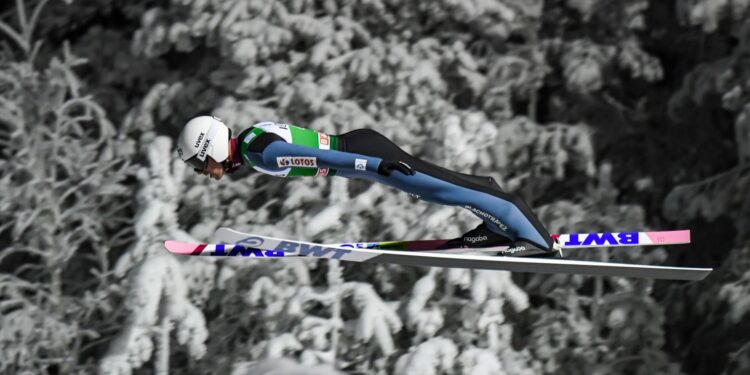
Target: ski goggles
200	166
197	165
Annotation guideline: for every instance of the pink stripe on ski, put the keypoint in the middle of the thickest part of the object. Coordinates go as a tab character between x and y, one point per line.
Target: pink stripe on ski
178	247
671	237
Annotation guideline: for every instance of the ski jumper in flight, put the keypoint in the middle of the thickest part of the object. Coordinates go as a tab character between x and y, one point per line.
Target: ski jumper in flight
286	150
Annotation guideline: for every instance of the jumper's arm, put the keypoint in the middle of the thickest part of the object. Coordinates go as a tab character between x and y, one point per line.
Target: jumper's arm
275	153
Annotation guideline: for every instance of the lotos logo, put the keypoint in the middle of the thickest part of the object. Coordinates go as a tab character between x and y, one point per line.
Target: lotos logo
475	239
487	216
198	141
297	161
602	239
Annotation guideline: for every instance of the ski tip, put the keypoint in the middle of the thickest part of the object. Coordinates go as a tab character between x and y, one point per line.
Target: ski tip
178	247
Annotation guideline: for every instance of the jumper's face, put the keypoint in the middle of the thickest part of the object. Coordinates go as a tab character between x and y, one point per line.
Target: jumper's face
213	169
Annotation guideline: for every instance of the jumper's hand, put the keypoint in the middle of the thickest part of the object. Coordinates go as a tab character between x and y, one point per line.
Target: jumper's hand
386	166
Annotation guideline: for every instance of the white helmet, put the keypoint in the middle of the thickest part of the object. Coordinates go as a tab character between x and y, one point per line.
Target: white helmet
201	137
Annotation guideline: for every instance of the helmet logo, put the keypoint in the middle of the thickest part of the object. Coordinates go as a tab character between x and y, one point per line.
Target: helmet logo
198	141
202	154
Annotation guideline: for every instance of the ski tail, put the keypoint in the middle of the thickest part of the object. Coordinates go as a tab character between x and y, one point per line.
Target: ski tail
565	240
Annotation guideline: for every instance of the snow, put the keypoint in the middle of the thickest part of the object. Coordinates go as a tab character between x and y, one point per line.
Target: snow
99	290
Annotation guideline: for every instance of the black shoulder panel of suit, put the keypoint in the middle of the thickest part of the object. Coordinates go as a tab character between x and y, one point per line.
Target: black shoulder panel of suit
259	144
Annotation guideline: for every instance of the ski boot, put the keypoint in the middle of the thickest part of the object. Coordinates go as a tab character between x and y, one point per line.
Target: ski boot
524	248
480	237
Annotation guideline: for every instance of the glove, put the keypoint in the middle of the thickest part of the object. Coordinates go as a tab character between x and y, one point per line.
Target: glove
386	166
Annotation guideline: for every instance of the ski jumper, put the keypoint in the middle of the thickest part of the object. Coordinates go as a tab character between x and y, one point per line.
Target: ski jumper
288	151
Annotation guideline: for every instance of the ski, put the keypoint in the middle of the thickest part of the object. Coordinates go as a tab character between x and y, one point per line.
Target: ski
262	247
566	241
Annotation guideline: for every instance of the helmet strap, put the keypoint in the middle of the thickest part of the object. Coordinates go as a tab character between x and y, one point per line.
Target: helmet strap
235	160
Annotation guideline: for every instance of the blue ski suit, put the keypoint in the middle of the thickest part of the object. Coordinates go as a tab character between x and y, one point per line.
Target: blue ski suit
286	150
